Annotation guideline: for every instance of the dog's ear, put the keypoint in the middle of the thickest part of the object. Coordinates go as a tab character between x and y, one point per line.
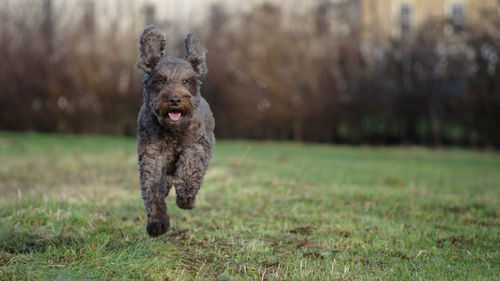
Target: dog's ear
152	46
196	54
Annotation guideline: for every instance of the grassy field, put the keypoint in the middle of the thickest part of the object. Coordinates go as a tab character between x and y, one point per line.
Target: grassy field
70	209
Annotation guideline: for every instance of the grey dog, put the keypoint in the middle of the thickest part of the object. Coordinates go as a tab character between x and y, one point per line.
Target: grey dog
175	136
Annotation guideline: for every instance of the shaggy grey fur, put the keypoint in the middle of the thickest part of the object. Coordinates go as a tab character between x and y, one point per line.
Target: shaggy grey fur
175	136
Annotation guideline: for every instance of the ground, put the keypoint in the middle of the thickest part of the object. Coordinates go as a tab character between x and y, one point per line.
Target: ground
70	209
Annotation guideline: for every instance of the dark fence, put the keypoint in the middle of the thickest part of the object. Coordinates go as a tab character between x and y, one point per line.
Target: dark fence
266	80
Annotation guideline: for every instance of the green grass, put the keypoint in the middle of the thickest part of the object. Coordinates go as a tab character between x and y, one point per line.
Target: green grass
70	209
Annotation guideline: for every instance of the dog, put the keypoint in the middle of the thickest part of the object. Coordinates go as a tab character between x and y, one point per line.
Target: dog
175	139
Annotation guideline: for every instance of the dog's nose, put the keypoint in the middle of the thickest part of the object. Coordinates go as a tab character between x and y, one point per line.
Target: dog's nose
175	100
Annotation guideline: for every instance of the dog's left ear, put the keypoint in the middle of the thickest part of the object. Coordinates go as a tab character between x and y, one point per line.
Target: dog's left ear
196	54
152	47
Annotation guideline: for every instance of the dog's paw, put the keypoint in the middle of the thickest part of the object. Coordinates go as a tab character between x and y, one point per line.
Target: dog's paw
186	202
157	227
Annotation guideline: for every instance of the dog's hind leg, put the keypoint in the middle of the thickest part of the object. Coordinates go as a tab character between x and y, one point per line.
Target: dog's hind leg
167	183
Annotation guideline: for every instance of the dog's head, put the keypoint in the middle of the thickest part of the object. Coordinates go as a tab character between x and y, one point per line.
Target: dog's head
172	85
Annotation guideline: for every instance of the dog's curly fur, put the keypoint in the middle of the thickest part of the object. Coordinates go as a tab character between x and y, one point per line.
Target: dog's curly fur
175	136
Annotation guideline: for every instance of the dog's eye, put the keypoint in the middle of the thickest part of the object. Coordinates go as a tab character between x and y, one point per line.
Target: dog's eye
185	81
160	81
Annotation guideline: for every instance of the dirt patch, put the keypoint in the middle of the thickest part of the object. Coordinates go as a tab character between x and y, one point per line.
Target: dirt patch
24	242
456	241
304	244
302	230
456	209
395	182
481	222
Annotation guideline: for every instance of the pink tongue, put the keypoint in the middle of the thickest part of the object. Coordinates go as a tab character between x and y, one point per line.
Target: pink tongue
174	116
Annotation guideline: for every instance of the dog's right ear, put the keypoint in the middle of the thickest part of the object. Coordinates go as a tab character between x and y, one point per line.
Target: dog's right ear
152	46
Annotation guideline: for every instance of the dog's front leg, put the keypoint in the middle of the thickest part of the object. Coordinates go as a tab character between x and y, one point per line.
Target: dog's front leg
188	177
153	193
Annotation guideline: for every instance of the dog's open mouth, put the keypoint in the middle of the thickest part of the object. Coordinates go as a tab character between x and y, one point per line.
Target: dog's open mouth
174	115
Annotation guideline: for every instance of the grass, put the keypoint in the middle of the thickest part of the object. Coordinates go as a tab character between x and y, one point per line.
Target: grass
71	210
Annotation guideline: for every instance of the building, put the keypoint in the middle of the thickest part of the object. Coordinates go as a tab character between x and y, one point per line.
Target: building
397	18
374	20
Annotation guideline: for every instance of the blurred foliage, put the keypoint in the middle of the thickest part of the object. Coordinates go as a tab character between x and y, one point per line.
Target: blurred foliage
267	79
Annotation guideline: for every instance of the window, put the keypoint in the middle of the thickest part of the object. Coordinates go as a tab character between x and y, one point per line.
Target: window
458	16
405	18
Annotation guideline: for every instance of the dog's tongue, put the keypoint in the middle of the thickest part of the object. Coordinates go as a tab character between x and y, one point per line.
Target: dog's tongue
174	116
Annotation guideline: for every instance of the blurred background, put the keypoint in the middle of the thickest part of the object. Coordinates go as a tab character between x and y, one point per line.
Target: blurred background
337	71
